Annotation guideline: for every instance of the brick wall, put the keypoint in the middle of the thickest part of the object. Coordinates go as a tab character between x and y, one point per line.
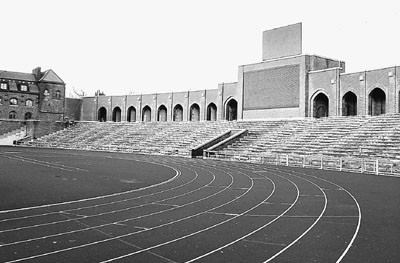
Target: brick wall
38	129
73	108
272	88
20	109
9	125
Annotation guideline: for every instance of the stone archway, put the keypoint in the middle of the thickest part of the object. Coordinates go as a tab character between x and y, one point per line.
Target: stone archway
195	112
146	116
162	113
231	110
131	114
178	113
102	114
377	102
116	116
211	112
321	106
349	104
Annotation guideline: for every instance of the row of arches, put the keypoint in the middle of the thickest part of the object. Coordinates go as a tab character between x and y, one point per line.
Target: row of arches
376	104
14	115
177	114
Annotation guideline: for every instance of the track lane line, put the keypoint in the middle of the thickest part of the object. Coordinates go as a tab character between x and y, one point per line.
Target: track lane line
196	232
100	214
97	205
96	197
130	234
309	228
122	221
359	214
256	230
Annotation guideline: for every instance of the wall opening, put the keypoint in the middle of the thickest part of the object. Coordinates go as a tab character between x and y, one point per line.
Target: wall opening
178	113
211	112
102	114
146	116
349	104
231	110
162	113
12	115
194	112
131	114
377	102
116	116
321	106
28	116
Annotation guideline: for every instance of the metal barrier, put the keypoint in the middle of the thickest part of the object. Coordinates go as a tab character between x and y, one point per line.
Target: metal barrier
347	164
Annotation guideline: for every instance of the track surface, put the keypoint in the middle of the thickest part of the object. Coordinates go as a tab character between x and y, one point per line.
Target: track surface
75	206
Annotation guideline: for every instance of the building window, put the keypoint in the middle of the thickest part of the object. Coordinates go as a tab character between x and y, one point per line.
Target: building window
28	116
46	94
14	101
58	95
12	115
23	87
29	103
3	85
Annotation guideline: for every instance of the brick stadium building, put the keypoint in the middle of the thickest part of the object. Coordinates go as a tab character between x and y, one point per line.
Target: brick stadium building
285	84
37	95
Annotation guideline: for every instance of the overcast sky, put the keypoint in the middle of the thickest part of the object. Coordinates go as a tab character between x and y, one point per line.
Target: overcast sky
155	46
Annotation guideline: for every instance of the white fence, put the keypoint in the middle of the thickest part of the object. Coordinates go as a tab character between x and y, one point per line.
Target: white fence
348	164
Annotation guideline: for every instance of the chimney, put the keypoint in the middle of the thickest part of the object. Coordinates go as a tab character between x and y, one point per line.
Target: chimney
37	72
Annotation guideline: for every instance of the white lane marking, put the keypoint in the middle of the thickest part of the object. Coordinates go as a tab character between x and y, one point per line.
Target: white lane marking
308	229
50	163
358	208
269	203
158	203
196	232
130	234
264	243
97	197
122	221
128	243
226	214
256	230
359	217
107	213
38	163
98	205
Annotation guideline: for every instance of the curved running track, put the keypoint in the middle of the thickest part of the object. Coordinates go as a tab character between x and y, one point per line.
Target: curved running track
210	211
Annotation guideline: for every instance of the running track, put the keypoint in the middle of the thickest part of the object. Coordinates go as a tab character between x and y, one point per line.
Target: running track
76	206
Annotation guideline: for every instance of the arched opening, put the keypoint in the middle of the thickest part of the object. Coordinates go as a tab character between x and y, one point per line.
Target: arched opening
162	113
377	102
29	103
131	114
116	117
399	102
58	95
321	106
211	112
195	112
178	113
146	114
349	104
231	110
28	116
12	115
102	114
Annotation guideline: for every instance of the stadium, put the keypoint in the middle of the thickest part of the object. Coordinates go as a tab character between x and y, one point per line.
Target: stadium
297	161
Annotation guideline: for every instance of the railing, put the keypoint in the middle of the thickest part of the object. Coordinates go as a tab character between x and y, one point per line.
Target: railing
347	164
